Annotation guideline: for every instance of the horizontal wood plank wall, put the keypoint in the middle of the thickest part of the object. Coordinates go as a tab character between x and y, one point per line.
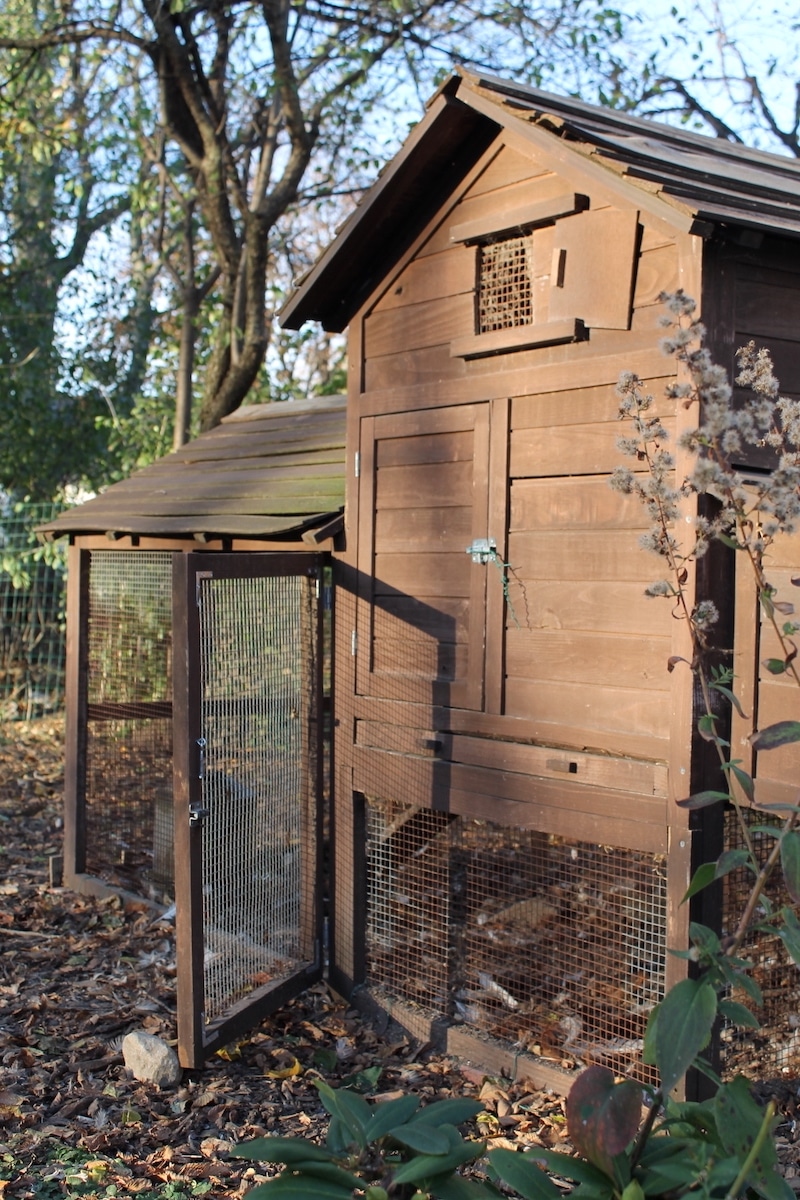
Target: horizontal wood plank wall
770	698
766	310
605	688
568	730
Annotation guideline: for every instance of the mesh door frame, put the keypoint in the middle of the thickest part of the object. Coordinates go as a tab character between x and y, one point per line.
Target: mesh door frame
197	1038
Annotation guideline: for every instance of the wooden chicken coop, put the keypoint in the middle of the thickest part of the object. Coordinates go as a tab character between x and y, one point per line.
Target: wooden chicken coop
507	856
509	742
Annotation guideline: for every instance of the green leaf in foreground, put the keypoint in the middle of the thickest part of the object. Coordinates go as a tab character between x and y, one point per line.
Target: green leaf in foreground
790	862
523	1175
298	1187
739	1120
282	1150
683	1028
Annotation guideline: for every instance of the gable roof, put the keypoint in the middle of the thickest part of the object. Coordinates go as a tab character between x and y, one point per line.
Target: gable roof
695	183
269	470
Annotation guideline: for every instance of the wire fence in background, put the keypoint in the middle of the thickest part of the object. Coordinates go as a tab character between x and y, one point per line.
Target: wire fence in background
33	601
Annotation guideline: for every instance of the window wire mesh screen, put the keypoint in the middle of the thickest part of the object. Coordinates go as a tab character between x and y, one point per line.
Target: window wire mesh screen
773	1050
553	945
505	292
128	786
257	672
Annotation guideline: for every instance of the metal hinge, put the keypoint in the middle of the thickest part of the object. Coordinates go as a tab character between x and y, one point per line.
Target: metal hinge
482	550
354	642
357	464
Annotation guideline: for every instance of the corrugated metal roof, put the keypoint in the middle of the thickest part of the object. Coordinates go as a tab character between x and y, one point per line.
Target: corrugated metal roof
268	470
698	183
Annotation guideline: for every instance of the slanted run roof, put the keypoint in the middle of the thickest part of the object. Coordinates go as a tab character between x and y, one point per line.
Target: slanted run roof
693	182
269	470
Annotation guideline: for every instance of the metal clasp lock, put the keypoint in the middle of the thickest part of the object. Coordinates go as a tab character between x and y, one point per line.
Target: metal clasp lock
483	550
197	814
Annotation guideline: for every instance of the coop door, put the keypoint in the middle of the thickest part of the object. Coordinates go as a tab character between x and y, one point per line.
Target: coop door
247	775
424	499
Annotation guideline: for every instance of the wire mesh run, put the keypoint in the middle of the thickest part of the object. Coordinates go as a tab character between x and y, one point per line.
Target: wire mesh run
553	945
773	1051
505	289
257	672
128	786
33	608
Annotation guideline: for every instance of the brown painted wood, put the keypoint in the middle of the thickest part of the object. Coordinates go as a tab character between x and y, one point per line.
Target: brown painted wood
504	221
568	450
398	738
600	249
490	206
585	402
75	696
444	484
519	800
403	530
410	449
428	324
497	580
502	166
451	272
188	872
595	604
656	272
550	762
419	572
570	656
625	720
521	337
399	615
581	502
578	554
430	379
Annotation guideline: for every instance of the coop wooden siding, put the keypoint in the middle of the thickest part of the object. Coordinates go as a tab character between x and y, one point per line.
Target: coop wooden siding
427	482
554	806
430	303
586	649
766	698
765	304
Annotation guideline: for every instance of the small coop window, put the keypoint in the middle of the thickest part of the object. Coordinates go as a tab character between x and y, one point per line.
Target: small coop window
547	273
505	286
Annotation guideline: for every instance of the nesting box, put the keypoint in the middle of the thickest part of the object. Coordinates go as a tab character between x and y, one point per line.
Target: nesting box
507	856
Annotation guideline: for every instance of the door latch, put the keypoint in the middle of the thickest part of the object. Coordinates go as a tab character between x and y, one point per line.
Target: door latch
483	550
197	814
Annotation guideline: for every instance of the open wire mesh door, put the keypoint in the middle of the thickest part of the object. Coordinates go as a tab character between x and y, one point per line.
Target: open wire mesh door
247	790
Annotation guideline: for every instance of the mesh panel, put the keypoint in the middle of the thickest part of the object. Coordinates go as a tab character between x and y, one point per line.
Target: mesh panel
408	902
257	675
505	296
554	945
33	604
129	726
773	1050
